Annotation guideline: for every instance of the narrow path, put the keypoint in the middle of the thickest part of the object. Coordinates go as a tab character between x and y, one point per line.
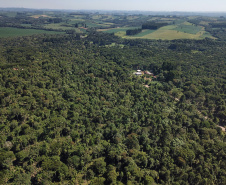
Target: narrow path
223	129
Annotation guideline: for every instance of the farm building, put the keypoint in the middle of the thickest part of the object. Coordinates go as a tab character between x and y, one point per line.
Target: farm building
138	73
148	73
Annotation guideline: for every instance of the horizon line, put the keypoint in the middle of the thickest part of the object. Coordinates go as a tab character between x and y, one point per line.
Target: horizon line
187	11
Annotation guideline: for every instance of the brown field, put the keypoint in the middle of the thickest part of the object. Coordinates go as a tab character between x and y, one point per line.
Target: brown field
38	16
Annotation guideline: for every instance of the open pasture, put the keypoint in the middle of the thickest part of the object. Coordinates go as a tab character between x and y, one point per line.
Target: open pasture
14	32
116	30
188	28
170	35
144	33
180	30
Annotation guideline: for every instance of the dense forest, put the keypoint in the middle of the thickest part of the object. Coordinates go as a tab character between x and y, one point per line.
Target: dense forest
73	112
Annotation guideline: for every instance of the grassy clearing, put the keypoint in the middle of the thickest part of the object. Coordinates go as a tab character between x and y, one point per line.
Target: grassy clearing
195	51
122	34
143	33
188	28
207	34
180	21
161	34
15	32
187	23
170	27
172	34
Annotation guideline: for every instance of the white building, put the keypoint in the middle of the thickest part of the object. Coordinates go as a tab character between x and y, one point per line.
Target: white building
138	73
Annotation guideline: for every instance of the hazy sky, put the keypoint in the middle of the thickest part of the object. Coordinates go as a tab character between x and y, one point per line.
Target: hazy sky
150	5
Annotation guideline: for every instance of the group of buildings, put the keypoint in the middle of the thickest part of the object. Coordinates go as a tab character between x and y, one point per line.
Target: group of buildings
139	73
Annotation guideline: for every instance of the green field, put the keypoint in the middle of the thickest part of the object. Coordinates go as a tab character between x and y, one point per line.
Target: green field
60	26
15	32
183	30
171	35
89	24
115	30
188	28
96	24
177	28
57	26
144	32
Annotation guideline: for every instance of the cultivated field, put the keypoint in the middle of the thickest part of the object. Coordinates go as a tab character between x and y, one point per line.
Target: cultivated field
60	26
116	30
180	30
38	16
14	32
179	27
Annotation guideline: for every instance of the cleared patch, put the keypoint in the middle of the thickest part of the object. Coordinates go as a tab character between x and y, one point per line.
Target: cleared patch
38	16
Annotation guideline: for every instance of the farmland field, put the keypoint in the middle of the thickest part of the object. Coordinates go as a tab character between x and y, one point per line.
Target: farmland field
14	32
170	35
74	21
188	28
177	28
115	30
96	24
59	26
181	30
38	16
144	32
165	34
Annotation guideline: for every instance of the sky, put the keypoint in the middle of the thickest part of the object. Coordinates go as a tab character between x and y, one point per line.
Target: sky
145	5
